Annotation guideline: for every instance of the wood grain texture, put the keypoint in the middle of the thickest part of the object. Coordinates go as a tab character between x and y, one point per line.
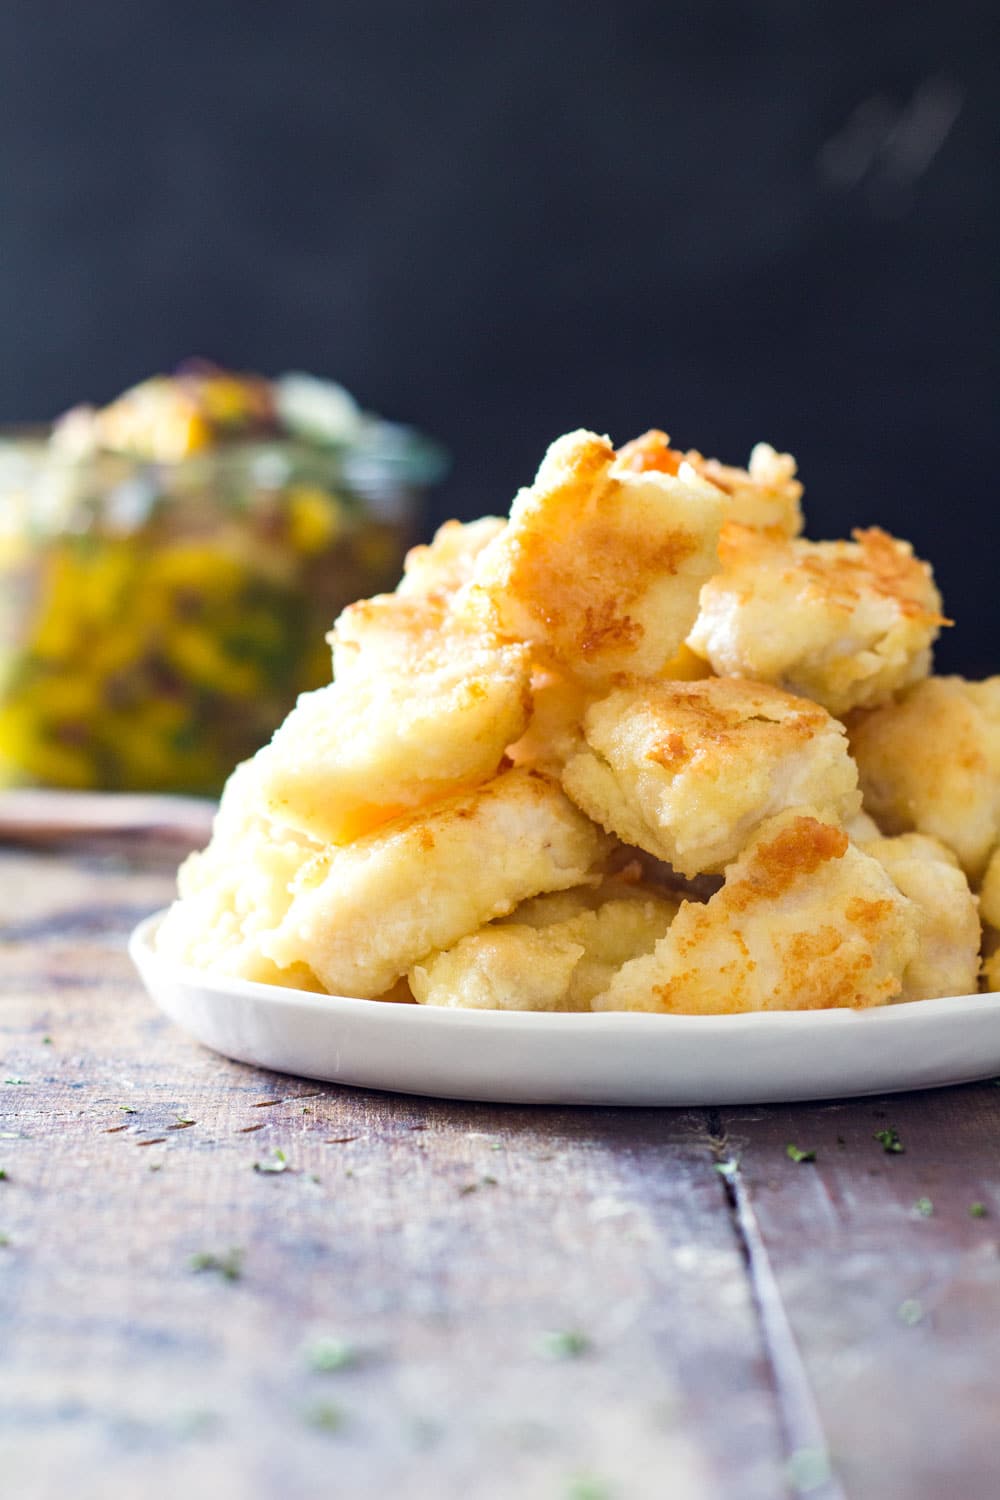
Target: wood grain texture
891	1284
728	1319
444	1242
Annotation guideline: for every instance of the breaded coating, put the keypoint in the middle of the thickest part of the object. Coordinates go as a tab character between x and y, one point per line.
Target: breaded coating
845	623
765	495
389	633
804	921
552	953
688	770
363	915
237	889
600	566
930	763
441	568
365	750
947	957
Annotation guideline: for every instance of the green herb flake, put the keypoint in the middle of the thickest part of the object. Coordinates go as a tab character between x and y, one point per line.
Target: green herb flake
324	1417
4	1240
3	1175
127	1109
727	1169
889	1141
795	1153
328	1355
277	1163
564	1344
978	1210
924	1207
46	1041
910	1312
808	1469
15	1080
489	1181
228	1266
496	1145
183	1120
587	1487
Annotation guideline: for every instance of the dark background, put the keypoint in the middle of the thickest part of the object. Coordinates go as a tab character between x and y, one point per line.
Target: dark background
772	219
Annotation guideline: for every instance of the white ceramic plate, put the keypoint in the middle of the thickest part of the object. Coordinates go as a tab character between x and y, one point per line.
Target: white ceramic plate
511	1057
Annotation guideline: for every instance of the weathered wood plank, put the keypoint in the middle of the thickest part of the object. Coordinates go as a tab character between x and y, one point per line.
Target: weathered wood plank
443	1242
890	1283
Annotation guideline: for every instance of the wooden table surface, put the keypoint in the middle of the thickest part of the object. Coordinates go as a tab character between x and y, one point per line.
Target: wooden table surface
438	1299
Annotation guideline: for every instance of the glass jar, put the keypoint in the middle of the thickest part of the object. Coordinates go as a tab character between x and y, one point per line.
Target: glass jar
158	620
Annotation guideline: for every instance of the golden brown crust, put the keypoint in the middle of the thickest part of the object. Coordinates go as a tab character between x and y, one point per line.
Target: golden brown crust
930	762
804	921
845	623
599	567
687	770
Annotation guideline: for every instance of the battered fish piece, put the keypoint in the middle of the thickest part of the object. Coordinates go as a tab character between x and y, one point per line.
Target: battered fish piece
687	771
389	633
365	750
804	921
765	495
930	763
237	889
440	569
844	623
552	953
947	958
363	915
599	567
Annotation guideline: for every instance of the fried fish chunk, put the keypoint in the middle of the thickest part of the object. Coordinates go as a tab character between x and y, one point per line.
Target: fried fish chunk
845	623
554	952
390	633
804	921
440	568
687	770
930	763
766	494
947	958
404	630
362	915
366	749
599	567
236	890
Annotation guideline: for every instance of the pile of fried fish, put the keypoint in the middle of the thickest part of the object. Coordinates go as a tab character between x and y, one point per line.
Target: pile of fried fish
640	746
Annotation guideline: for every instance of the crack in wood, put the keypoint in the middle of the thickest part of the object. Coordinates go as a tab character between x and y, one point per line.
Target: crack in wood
798	1414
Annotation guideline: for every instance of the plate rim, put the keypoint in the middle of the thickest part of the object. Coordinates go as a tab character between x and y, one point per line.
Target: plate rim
144	956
